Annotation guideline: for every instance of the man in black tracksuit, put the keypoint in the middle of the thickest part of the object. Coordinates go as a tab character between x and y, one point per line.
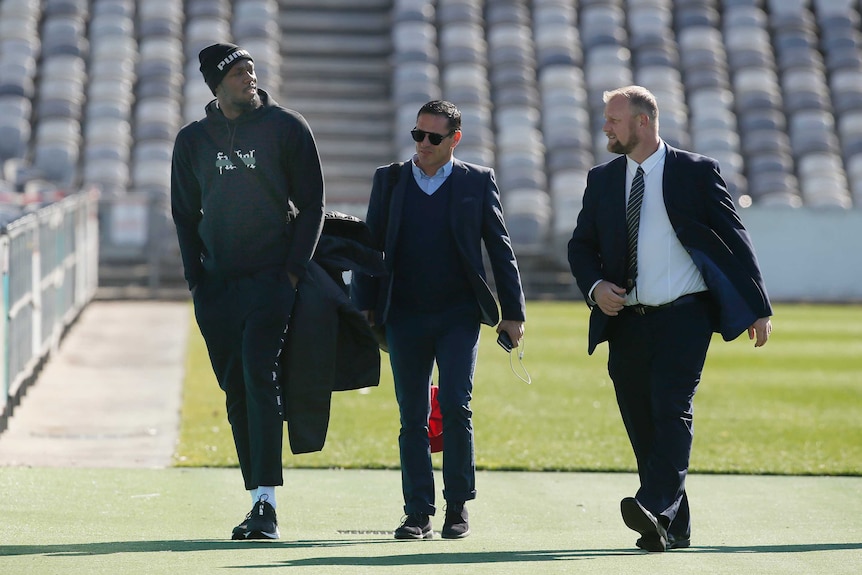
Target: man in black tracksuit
247	199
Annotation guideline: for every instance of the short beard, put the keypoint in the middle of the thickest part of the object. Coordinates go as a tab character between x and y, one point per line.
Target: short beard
617	147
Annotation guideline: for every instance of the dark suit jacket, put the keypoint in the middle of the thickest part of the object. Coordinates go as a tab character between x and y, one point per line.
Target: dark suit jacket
476	217
701	212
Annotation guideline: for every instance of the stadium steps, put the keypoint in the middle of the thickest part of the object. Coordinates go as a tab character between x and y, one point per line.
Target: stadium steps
336	73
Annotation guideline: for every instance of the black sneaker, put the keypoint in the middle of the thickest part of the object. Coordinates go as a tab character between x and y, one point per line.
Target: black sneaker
457	524
260	523
415	526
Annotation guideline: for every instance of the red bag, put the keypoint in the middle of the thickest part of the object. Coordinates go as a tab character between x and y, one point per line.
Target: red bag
435	423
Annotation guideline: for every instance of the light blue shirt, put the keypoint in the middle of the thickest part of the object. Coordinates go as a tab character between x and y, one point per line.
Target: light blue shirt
430	184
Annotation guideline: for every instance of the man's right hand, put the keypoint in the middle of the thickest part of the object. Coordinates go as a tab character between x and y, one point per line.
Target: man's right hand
609	297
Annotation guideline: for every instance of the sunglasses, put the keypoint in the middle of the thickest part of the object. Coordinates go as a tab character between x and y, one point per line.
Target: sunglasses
435	139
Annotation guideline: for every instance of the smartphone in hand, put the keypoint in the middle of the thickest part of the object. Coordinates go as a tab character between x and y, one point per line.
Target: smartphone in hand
505	341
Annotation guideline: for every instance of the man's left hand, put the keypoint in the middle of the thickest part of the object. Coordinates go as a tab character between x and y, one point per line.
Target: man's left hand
760	330
514	328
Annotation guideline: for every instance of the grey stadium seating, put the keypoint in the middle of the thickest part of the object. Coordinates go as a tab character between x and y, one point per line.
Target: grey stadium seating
92	92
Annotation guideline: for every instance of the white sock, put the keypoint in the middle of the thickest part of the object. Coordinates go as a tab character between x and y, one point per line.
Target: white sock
267	492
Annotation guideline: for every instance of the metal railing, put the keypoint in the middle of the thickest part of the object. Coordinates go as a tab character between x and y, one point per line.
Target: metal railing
49	263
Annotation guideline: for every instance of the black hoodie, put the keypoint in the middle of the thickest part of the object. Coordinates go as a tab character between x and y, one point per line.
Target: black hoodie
246	194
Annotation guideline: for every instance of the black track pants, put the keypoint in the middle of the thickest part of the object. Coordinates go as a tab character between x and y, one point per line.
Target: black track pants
244	323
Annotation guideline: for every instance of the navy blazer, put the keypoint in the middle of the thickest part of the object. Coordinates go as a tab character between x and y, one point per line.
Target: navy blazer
703	216
476	217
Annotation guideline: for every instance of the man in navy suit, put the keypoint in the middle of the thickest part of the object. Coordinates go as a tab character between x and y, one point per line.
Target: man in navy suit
431	226
659	286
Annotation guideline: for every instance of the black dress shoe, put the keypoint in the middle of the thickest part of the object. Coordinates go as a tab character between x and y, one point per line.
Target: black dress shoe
672	543
678	541
638	518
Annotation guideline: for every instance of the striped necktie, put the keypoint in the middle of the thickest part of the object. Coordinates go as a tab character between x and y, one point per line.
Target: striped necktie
633	220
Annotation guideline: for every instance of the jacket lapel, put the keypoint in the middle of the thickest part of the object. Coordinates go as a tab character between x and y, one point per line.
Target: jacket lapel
671	178
396	205
617	208
455	198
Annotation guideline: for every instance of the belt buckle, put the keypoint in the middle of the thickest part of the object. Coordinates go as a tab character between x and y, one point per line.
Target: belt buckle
639	309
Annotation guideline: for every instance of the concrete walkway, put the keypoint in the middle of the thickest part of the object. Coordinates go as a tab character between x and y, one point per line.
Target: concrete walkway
111	395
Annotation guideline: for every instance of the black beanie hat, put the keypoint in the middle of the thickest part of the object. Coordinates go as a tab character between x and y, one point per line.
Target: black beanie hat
217	59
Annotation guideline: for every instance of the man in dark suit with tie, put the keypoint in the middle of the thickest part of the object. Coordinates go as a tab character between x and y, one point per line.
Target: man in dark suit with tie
663	260
431	226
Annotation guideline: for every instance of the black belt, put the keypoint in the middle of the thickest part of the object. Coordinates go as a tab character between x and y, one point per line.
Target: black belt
641	309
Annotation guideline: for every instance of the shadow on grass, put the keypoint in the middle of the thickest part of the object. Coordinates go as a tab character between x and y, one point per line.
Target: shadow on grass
178	546
417	557
535	556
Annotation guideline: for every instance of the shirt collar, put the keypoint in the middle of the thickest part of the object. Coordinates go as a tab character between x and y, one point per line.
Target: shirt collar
442	173
651	162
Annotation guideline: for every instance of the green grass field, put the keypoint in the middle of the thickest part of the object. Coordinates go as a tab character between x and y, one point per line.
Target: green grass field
792	407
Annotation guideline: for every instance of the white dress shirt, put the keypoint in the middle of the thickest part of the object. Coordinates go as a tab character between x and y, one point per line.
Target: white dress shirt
665	270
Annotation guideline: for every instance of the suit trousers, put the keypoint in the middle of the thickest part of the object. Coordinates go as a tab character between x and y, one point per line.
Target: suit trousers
655	362
418	340
244	323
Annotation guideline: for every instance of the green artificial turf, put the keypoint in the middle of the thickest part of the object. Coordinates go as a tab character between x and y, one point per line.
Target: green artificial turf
791	407
333	522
